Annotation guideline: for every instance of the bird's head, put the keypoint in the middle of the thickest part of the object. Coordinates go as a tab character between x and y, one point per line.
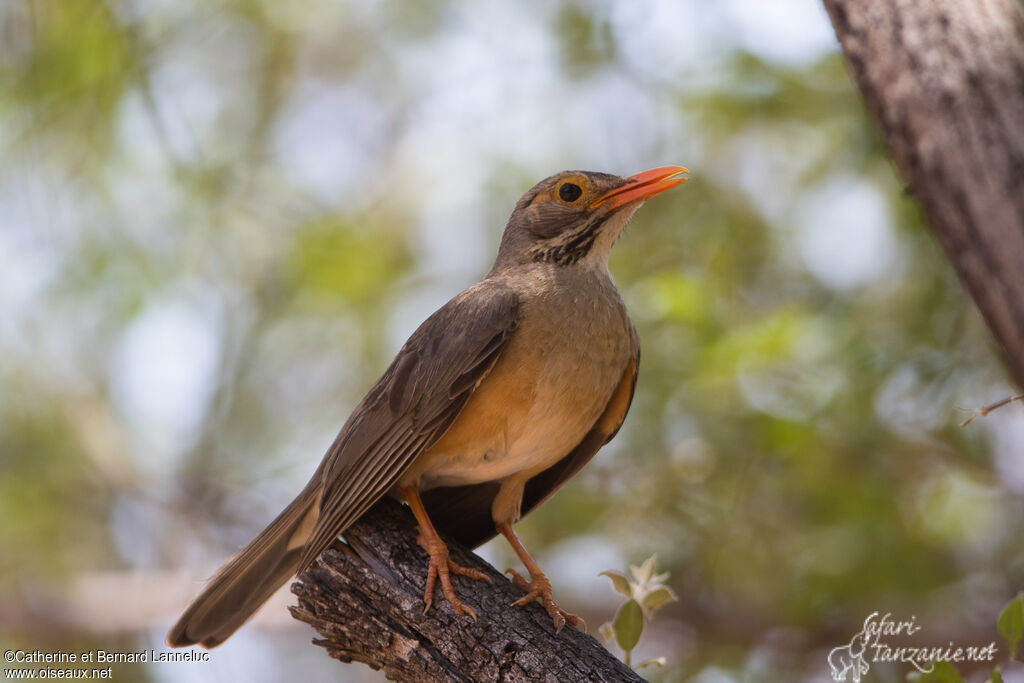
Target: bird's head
576	216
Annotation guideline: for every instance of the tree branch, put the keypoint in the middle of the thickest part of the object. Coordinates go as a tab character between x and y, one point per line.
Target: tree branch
365	597
945	79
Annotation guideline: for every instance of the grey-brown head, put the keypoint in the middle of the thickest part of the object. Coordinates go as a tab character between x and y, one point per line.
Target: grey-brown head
576	216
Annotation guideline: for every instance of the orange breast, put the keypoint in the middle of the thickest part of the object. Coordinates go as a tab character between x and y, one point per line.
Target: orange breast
546	391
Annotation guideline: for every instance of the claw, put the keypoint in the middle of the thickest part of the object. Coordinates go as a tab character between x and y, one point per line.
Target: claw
539	587
442	566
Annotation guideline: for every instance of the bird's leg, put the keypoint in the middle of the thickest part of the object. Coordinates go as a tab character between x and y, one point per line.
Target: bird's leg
441	565
538	586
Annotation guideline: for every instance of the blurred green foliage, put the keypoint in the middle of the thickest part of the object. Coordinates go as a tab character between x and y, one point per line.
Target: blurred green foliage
218	221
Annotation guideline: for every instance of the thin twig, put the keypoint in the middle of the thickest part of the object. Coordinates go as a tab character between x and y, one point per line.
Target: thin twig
982	412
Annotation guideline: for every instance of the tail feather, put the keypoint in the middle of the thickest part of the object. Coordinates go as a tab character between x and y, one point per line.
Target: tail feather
250	577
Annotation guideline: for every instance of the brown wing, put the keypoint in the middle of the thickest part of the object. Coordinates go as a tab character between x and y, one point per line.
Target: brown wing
412	405
464	512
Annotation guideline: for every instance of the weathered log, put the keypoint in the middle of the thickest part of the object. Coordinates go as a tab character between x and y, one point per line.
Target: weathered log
365	598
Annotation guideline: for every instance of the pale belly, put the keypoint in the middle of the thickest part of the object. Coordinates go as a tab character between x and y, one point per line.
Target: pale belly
544	394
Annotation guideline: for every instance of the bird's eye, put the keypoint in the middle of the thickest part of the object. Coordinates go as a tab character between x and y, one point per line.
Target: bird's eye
570	192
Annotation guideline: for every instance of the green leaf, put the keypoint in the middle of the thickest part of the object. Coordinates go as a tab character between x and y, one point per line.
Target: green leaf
619	581
996	677
644	572
628	625
1011	624
658	597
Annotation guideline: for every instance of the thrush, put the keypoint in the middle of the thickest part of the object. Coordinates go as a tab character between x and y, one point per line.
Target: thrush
493	403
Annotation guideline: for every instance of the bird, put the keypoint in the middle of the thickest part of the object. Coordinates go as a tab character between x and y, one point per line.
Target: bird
494	402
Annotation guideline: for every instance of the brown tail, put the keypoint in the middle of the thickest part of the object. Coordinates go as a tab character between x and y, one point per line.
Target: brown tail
250	577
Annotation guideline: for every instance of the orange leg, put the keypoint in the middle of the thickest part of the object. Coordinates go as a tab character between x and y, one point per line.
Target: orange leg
441	565
538	586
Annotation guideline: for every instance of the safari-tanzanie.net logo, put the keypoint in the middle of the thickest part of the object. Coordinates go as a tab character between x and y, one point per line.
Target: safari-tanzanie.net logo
875	643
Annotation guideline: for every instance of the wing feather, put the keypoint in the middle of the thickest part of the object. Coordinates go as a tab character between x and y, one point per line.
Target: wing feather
412	405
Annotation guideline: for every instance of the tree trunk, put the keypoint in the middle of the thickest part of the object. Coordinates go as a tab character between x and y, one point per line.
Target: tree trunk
365	597
945	79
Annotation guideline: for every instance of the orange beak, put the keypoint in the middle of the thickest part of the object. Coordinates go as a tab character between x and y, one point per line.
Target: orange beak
643	186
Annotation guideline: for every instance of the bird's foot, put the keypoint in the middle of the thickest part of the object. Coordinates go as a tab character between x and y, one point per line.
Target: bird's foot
442	566
539	587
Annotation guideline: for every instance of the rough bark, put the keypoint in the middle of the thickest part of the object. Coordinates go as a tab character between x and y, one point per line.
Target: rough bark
364	597
945	79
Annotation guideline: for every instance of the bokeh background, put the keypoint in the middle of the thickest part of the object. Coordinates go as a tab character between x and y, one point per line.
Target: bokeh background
220	219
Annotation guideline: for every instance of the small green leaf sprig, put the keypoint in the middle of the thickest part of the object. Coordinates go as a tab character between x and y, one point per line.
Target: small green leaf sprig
1011	624
644	593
